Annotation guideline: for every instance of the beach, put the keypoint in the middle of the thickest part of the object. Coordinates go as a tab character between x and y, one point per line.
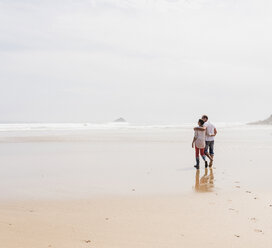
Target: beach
134	187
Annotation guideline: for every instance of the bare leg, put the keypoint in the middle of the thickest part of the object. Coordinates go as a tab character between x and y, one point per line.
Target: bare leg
209	156
211	162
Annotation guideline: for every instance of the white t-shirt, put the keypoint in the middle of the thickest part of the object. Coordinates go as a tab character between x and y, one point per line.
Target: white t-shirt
209	131
200	139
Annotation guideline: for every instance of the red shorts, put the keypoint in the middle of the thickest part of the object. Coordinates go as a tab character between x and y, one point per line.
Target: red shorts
201	150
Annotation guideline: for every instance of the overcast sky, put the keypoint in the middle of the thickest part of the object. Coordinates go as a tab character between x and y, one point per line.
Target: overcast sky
149	61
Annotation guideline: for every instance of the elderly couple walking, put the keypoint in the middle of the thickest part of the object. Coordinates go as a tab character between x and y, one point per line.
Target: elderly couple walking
204	141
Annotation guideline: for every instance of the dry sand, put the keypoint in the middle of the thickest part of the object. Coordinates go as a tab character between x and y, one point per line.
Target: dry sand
233	219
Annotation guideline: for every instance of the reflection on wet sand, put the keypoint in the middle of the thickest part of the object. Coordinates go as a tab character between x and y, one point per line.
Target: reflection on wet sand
206	182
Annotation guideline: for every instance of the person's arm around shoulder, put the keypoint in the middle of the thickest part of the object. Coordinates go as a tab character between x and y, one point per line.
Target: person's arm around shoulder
200	128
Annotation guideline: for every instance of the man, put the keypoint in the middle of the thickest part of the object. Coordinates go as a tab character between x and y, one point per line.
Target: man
211	132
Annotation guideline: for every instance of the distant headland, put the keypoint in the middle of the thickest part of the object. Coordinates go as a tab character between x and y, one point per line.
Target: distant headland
122	120
267	121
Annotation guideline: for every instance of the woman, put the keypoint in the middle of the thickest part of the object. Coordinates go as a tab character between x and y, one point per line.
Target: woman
199	143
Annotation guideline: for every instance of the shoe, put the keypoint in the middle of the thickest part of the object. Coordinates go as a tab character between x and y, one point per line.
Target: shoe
206	164
196	166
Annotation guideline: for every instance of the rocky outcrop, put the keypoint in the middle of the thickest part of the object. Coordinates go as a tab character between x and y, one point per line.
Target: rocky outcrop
267	121
122	120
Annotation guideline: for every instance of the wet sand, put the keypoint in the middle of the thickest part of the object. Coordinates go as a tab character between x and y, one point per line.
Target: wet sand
134	189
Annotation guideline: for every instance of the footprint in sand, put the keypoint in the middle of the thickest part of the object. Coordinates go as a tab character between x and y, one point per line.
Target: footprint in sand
237	236
258	230
253	219
232	209
249	192
87	241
